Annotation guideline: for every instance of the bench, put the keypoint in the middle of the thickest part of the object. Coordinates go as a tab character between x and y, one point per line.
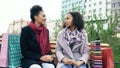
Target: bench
53	46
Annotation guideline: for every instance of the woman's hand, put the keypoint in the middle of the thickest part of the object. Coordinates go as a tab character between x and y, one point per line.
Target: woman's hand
47	58
67	61
78	63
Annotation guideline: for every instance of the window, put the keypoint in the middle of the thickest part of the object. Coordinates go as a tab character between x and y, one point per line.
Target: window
80	7
76	2
108	3
107	9
69	5
113	5
100	9
85	6
100	15
65	10
100	2
89	11
89	16
119	4
94	10
89	5
94	4
66	1
80	2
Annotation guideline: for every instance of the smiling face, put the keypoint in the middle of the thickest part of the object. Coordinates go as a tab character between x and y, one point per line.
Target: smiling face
41	18
68	20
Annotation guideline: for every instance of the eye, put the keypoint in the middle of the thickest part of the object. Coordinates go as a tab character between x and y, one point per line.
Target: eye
44	16
66	18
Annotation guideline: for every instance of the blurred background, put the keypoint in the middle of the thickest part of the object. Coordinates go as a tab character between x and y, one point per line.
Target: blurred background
101	17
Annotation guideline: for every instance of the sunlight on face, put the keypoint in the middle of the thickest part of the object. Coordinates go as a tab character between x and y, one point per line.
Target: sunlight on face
68	20
41	18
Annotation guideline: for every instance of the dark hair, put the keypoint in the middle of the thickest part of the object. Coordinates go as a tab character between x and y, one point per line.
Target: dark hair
35	11
77	20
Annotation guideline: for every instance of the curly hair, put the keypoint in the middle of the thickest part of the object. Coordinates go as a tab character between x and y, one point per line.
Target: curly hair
35	10
77	20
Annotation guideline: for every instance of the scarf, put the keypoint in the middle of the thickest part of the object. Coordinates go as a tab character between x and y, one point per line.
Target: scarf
42	37
73	37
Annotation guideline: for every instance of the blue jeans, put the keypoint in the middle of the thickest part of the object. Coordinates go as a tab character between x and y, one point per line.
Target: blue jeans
70	66
44	65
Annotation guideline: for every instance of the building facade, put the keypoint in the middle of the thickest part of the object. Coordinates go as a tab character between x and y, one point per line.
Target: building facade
115	6
88	8
72	5
116	10
16	26
98	8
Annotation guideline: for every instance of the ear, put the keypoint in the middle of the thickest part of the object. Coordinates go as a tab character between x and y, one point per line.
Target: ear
35	17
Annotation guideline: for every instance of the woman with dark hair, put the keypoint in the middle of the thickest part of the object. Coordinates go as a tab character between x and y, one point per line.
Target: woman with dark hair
34	41
72	50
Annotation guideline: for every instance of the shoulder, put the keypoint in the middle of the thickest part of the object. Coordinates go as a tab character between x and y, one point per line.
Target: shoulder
83	31
61	31
26	28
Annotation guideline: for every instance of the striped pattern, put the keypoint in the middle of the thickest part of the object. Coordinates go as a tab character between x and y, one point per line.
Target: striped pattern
96	55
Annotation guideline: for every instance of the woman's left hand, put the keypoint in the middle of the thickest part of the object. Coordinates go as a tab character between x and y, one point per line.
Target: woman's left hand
49	58
78	63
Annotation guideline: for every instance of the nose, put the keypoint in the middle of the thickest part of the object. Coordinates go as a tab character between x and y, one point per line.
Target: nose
45	19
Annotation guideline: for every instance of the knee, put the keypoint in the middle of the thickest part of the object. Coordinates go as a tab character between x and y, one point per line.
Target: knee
83	66
51	66
64	66
35	66
46	65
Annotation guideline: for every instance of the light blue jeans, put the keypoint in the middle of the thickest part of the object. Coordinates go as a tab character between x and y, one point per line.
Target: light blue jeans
70	66
44	65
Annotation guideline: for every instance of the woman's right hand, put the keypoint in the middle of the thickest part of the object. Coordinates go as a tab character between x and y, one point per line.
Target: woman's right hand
67	61
47	58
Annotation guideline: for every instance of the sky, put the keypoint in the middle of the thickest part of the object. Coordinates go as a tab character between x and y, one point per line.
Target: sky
16	9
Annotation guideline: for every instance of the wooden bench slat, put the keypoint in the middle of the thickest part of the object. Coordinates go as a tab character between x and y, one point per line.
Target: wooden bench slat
52	46
53	51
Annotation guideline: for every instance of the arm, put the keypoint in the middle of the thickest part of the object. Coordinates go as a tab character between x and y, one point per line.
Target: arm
58	49
24	46
49	53
85	54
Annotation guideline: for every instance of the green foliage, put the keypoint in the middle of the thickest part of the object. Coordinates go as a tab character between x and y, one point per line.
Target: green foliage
57	28
96	29
107	35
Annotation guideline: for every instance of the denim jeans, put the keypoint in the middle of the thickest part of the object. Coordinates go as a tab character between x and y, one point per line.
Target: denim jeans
44	65
70	66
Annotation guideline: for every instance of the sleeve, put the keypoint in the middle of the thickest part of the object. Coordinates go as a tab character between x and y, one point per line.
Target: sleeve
85	54
49	53
59	53
24	47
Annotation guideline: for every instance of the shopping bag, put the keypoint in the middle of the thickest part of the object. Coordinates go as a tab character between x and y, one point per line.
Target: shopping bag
107	56
4	51
14	51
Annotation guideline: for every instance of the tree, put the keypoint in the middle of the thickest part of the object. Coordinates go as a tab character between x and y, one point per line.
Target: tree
95	28
57	28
